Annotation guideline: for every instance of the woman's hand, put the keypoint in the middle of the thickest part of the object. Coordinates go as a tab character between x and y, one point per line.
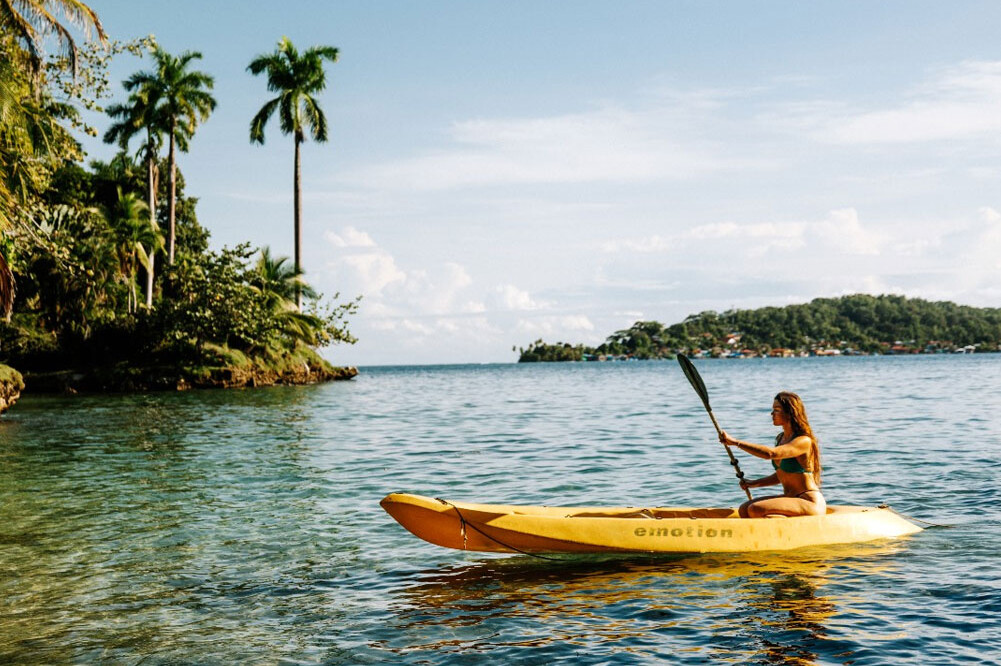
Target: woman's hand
745	484
724	438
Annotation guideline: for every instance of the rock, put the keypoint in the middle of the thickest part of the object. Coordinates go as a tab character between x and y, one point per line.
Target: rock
11	385
124	378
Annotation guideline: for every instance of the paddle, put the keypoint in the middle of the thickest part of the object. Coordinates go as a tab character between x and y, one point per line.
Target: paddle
696	381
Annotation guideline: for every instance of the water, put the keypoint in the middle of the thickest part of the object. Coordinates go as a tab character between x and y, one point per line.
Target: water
222	527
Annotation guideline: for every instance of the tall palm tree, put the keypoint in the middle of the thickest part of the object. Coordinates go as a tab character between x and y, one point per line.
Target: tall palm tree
176	100
296	77
31	21
133	118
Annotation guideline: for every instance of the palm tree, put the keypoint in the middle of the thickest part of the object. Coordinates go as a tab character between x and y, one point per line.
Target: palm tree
31	21
274	277
174	101
135	117
138	241
296	77
281	285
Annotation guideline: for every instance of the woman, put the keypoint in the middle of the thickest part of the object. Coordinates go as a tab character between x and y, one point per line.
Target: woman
796	458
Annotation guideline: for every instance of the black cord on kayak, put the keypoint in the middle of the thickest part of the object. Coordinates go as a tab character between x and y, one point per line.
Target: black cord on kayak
465	523
914	520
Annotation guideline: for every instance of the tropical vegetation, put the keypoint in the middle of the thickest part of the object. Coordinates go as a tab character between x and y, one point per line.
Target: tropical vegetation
856	324
88	281
29	22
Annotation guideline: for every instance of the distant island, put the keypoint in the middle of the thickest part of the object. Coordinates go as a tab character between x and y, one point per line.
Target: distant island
859	324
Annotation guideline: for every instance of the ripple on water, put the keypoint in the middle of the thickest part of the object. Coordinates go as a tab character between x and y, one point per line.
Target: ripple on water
244	526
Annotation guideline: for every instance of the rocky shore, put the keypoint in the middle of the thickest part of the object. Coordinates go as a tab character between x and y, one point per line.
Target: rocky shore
127	379
11	385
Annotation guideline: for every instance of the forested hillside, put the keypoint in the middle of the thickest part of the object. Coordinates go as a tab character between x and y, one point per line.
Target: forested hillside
856	324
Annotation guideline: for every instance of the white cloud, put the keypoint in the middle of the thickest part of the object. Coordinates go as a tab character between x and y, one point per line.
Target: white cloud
359	266
961	102
349	237
988	214
787	234
416	327
611	144
371	272
680	135
843	231
510	297
555	326
655	243
715	230
981	267
840	231
434	304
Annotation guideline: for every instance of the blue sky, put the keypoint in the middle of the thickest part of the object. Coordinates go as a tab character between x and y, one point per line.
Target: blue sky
500	172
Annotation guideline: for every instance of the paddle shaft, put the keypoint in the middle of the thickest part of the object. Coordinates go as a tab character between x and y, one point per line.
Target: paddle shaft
733	459
700	388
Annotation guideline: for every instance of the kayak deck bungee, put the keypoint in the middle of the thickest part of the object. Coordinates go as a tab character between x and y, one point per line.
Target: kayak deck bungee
499	528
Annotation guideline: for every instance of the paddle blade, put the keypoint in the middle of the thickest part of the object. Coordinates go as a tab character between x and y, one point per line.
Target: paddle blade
694	379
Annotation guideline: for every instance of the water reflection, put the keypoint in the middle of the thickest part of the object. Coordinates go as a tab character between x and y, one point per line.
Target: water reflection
796	612
768	609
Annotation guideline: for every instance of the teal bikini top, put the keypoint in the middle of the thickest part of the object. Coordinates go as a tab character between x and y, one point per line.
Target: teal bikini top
791	465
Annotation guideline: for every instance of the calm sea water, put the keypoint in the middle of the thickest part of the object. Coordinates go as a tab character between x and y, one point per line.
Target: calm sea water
224	527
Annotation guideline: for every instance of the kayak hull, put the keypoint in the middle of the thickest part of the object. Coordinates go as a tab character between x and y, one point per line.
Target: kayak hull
498	528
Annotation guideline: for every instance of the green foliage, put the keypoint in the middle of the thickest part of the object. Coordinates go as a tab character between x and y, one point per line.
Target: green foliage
68	272
226	299
81	240
79	302
84	241
539	351
32	139
297	77
38	107
170	101
10	379
858	323
30	22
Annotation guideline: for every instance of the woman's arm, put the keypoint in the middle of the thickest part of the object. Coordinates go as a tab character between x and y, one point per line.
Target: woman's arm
796	447
770	480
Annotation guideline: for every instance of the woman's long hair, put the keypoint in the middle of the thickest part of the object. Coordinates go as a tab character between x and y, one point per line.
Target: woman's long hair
792	405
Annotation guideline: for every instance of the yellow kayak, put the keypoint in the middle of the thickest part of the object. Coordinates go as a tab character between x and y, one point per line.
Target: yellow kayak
498	528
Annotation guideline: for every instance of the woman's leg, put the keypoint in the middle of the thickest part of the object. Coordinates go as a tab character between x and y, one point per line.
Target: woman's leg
745	509
784	506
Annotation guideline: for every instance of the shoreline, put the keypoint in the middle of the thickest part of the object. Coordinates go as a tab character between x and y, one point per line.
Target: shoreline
746	357
129	379
126	379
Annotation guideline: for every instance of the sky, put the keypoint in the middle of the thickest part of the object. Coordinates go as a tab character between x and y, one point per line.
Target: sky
504	171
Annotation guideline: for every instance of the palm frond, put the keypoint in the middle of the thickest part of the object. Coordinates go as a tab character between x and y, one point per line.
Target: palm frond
315	119
295	76
261	119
